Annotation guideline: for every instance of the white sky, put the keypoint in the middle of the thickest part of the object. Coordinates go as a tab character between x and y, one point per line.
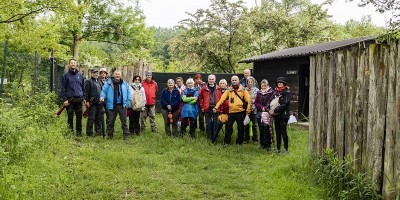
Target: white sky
167	13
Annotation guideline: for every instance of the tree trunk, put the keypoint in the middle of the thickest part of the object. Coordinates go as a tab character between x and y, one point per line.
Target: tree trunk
77	41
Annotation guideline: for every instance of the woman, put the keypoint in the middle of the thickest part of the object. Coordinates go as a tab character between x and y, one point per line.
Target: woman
281	114
224	109
262	102
252	90
190	107
170	99
138	101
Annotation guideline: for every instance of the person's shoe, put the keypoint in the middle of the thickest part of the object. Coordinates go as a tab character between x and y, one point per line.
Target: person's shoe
154	130
283	152
125	137
226	145
78	134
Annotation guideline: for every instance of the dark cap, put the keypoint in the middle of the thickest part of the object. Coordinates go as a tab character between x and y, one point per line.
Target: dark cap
281	80
94	70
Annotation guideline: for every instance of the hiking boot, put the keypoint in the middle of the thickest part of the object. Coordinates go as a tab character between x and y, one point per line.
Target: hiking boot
283	152
154	130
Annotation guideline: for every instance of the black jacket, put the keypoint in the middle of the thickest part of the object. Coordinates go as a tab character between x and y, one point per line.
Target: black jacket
92	90
284	103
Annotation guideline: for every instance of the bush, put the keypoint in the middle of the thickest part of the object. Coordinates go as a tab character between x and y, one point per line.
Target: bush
340	180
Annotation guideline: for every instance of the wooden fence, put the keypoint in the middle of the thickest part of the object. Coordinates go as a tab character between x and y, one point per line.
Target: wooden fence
355	109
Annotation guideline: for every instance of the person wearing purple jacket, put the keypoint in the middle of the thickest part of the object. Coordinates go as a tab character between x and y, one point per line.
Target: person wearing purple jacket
72	91
263	99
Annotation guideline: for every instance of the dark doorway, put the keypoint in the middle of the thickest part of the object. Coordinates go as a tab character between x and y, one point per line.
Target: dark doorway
304	85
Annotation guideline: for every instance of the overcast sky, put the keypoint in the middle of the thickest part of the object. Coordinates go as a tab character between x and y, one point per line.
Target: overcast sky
167	13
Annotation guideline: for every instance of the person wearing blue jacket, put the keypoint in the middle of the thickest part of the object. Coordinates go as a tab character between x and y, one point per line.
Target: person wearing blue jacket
117	94
72	91
170	99
190	107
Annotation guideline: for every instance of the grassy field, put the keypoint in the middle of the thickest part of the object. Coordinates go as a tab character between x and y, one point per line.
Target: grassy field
155	166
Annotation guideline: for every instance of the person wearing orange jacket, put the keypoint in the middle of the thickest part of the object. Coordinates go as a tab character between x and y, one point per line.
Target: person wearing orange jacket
239	107
150	89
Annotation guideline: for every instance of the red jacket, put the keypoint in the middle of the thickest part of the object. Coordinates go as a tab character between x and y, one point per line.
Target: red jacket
150	89
204	97
225	106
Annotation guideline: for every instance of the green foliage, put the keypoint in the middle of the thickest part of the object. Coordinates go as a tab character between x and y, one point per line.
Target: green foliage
340	180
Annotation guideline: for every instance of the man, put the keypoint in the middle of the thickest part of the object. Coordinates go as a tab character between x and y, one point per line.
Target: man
150	89
72	91
246	74
103	79
118	98
237	96
92	97
208	99
199	84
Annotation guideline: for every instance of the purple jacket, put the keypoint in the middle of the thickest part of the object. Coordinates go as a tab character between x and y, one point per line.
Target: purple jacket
263	99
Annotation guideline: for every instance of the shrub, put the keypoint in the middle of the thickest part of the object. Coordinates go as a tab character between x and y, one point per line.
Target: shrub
340	180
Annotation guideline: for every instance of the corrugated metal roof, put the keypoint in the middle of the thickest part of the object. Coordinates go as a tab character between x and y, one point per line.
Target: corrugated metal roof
307	50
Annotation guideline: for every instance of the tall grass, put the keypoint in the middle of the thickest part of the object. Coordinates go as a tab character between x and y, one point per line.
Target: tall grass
150	166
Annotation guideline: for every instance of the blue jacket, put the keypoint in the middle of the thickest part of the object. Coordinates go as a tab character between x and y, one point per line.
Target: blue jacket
170	98
190	106
107	93
72	85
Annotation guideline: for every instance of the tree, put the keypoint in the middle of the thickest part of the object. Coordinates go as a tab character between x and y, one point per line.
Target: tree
211	37
106	21
161	50
387	5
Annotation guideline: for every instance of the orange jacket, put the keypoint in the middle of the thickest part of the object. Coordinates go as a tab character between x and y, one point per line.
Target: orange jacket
235	101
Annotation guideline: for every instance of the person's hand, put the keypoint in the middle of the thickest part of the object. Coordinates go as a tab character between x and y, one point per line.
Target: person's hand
101	99
84	102
202	110
271	112
214	110
263	109
87	104
66	103
169	107
195	98
143	108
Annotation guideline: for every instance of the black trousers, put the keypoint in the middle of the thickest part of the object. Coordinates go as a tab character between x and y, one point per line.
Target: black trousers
103	124
232	118
184	124
167	124
134	125
75	106
281	132
211	124
121	111
253	119
265	134
95	117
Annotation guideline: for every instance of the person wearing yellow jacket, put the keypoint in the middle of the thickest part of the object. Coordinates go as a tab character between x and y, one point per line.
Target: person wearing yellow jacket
239	106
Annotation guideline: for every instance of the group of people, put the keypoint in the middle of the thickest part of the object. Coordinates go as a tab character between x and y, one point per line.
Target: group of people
207	106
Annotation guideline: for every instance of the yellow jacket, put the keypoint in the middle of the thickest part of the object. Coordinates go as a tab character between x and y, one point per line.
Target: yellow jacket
235	103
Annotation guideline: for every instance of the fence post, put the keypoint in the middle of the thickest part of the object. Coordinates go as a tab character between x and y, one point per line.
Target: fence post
4	67
51	84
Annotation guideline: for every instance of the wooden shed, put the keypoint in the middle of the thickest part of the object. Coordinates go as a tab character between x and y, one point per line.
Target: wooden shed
294	65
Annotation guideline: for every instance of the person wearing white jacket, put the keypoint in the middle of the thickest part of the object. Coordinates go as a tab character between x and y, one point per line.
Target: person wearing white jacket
138	102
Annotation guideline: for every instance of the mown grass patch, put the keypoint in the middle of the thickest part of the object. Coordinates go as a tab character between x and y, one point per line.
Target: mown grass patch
155	166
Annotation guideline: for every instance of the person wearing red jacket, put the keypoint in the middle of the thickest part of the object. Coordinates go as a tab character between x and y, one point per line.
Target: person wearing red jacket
150	89
208	99
224	109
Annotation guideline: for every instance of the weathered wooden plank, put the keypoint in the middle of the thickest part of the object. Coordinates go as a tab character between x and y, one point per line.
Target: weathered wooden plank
349	101
378	80
359	108
388	164
331	114
318	97
339	94
366	106
312	106
324	96
397	134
